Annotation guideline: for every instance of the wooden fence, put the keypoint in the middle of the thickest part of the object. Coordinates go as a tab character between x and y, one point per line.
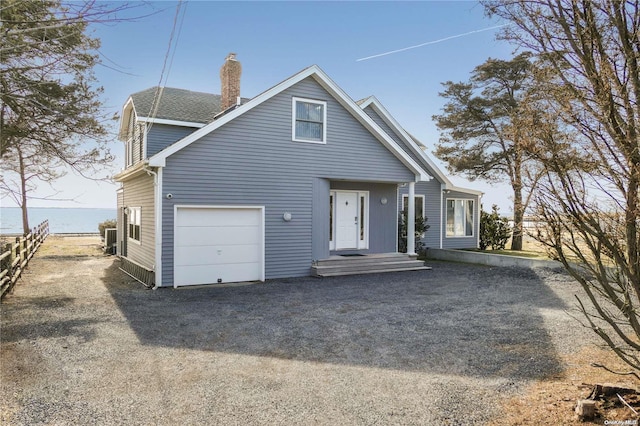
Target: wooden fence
16	255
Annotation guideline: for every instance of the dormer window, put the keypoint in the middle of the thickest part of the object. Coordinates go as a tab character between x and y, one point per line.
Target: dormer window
135	142
309	120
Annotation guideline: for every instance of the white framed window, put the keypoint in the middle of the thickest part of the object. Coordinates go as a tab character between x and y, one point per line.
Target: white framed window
134	219
309	120
418	204
460	214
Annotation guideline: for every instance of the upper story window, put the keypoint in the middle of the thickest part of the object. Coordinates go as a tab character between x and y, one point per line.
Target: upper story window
460	218
135	142
309	121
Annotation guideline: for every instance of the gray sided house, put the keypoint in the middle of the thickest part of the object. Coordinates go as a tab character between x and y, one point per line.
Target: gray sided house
219	188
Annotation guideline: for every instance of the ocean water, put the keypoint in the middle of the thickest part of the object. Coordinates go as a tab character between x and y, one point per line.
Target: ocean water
61	220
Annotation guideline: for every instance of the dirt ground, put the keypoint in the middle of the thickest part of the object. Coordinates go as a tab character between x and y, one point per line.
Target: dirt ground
83	343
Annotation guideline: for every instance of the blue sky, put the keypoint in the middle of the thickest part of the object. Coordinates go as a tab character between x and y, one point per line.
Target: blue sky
274	40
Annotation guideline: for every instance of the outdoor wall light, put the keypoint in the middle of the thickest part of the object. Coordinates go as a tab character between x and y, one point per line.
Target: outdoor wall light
287	217
383	200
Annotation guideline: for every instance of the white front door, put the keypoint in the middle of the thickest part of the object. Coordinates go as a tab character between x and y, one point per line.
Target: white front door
347	220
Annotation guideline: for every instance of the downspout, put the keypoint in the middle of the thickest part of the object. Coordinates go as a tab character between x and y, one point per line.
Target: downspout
157	195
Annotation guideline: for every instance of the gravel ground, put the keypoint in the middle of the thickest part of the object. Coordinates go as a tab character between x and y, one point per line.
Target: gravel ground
82	343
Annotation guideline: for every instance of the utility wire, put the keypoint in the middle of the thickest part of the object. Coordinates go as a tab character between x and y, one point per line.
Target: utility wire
155	104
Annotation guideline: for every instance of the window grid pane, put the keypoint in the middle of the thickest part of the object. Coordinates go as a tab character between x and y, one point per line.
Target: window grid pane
309	130
460	218
309	121
469	219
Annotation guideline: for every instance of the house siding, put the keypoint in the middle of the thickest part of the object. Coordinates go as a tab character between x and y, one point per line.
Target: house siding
461	242
320	218
383	125
119	220
160	136
252	160
138	192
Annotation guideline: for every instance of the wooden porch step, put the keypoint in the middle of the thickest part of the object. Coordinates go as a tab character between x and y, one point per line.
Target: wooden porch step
371	271
368	264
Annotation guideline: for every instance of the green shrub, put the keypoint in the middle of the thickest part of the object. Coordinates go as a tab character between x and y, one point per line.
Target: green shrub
494	230
109	223
421	228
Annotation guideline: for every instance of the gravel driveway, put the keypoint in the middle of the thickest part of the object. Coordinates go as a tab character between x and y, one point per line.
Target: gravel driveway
82	343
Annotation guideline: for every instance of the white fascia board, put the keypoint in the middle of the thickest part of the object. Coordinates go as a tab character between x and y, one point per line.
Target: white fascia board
367	122
171	122
464	190
131	172
391	122
124	118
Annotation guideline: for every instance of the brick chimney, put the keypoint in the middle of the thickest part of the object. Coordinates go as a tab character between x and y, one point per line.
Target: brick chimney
230	80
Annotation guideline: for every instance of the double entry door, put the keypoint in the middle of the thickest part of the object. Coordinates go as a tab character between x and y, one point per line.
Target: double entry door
349	220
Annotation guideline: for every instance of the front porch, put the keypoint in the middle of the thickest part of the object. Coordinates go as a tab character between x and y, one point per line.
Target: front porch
366	264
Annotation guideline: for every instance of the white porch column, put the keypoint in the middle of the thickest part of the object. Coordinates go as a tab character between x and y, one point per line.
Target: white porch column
411	219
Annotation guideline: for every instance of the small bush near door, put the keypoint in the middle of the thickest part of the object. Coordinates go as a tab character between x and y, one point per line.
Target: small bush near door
420	230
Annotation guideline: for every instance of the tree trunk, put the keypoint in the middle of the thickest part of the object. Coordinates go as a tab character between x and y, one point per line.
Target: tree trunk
518	207
23	193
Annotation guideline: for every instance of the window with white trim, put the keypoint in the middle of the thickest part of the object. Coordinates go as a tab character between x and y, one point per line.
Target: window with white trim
418	205
309	120
134	218
460	214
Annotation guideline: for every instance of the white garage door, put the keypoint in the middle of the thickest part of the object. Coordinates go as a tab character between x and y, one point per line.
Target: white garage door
218	245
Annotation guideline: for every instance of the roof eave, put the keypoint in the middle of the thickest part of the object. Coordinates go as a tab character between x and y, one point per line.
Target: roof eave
131	172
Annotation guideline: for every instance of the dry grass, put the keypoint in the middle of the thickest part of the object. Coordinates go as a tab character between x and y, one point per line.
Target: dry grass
71	246
553	401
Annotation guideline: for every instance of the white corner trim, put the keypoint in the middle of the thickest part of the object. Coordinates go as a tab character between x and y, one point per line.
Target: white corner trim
158	225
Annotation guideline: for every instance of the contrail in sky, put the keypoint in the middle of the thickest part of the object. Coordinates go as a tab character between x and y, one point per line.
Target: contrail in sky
431	42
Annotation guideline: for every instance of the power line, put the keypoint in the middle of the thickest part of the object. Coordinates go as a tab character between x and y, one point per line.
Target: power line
155	104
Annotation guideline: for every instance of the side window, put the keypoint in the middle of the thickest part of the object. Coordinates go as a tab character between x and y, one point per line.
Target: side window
309	121
460	214
134	223
419	205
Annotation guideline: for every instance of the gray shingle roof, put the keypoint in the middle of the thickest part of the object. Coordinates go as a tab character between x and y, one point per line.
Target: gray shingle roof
179	104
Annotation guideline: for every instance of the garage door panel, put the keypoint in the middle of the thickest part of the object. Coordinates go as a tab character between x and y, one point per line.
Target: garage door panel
217	235
218	244
216	255
231	217
209	274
